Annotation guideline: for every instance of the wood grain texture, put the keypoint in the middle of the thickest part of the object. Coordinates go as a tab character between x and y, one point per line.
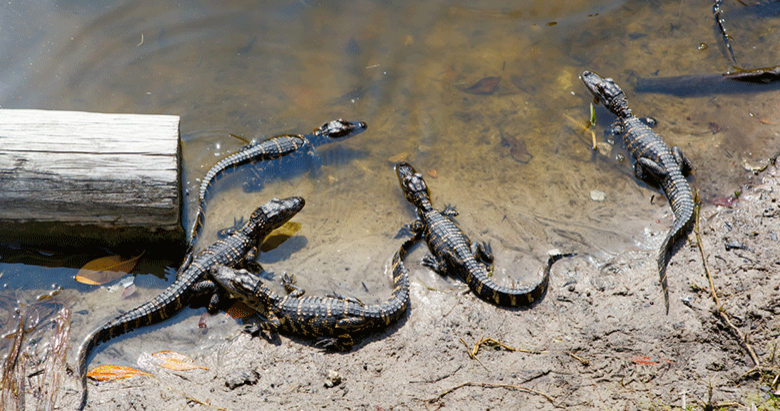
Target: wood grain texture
98	171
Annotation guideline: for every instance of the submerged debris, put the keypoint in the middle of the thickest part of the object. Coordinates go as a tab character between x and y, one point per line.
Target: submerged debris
487	85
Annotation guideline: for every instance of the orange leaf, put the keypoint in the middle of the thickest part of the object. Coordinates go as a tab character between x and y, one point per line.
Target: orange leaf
106	269
113	372
177	362
239	310
642	360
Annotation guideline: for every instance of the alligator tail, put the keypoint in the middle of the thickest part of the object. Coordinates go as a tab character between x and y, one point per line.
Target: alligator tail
158	309
513	297
393	308
679	194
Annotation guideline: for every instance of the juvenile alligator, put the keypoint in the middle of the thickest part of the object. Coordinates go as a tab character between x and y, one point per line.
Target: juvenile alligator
655	163
333	320
230	252
270	149
453	251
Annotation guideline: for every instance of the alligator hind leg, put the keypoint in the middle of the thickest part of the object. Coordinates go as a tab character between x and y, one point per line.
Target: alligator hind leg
259	323
483	252
435	263
410	229
682	161
338	296
216	294
644	169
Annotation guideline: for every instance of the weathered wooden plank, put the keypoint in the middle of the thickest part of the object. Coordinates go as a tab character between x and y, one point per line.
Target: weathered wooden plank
99	178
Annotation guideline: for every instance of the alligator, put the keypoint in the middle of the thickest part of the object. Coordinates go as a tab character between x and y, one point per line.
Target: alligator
270	149
233	251
333	320
452	250
655	164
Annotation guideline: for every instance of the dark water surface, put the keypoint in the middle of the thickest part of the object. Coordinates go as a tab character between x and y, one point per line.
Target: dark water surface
513	159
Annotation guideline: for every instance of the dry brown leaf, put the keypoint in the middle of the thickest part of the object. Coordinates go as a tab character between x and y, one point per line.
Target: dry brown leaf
106	269
113	372
177	362
398	157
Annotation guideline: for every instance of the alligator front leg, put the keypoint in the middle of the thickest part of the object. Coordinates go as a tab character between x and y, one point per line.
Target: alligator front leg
293	290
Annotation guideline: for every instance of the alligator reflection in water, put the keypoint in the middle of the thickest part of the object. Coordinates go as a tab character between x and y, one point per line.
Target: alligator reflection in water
739	81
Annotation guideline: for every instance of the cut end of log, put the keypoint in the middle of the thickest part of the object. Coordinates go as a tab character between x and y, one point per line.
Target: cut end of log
78	178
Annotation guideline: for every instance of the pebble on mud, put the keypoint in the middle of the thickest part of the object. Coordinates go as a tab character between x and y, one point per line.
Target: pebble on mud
241	377
597	195
333	379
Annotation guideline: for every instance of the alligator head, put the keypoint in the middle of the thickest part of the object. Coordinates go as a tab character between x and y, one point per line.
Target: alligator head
413	185
273	215
607	92
340	129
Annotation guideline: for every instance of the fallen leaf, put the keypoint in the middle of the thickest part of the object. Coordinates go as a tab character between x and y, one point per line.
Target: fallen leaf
113	372
398	157
487	85
177	362
280	235
643	360
106	269
239	310
129	291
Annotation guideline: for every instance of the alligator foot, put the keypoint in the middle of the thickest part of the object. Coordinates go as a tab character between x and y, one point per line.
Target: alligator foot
449	211
293	290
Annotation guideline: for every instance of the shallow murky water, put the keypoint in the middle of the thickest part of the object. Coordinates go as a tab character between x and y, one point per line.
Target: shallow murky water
513	160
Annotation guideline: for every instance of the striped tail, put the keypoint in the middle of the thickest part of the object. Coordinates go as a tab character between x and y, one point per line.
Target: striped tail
678	192
512	297
270	149
158	309
393	308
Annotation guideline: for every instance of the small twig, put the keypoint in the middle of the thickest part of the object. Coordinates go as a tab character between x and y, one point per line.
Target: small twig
489	385
772	160
721	312
437	379
580	359
494	342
